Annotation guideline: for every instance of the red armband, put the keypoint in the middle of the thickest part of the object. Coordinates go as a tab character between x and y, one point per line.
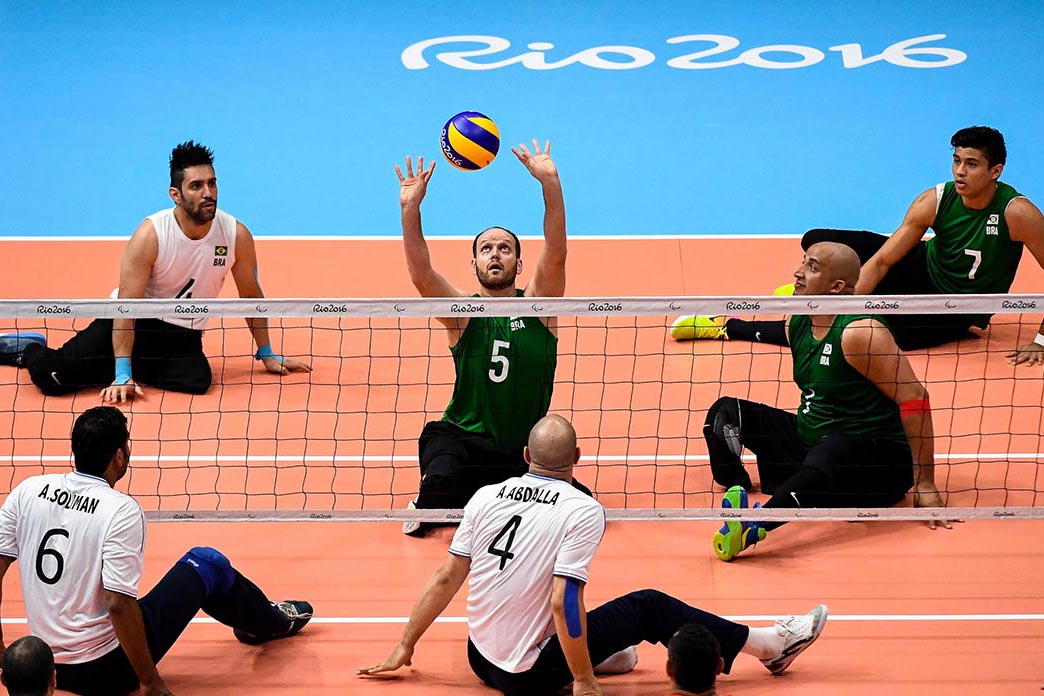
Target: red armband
914	407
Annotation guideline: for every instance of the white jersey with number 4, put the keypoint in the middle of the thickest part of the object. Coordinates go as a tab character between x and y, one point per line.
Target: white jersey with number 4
518	535
74	537
191	268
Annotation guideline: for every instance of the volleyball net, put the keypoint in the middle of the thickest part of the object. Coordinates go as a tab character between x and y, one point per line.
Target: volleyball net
340	442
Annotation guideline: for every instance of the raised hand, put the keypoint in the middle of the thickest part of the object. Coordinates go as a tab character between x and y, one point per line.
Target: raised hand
413	187
539	163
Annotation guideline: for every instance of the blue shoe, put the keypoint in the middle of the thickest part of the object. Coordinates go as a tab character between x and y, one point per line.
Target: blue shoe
12	346
735	536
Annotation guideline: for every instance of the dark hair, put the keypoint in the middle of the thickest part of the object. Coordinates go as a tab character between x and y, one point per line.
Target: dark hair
694	654
474	242
187	154
98	434
988	140
27	667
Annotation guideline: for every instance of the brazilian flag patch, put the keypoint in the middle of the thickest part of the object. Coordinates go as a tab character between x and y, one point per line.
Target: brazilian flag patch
221	251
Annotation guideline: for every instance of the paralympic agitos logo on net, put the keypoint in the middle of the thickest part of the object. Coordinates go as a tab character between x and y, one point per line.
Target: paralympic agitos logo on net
716	51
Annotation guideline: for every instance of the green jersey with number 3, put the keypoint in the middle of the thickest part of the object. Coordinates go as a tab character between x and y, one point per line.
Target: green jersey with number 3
972	251
505	375
835	397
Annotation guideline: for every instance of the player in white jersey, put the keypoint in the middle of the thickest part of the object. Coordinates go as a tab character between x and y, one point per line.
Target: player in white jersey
182	252
81	545
528	544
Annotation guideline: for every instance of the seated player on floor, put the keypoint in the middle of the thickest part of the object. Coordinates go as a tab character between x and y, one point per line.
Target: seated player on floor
981	226
183	252
862	435
81	546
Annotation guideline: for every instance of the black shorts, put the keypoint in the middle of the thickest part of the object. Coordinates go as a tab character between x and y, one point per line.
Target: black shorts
455	463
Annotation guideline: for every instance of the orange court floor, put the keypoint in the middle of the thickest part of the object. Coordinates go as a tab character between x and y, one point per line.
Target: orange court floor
913	611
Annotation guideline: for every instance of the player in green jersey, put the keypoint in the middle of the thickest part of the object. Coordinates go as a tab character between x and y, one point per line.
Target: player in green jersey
981	226
505	366
862	435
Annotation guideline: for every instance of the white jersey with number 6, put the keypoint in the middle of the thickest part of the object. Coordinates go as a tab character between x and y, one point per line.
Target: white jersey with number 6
74	537
518	535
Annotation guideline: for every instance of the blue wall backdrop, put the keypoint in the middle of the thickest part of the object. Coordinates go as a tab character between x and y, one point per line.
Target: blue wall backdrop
790	115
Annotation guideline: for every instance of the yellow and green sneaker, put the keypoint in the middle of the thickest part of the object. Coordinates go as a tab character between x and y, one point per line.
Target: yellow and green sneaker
735	536
696	328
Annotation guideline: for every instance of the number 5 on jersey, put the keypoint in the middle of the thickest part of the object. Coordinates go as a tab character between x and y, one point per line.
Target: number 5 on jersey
499	372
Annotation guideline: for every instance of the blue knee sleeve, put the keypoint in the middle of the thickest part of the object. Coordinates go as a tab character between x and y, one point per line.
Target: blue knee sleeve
213	569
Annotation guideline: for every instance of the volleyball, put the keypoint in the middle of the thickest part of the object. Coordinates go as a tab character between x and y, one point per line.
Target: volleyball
470	140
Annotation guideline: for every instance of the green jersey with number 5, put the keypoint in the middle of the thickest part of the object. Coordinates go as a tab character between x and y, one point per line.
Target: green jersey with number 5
505	375
972	251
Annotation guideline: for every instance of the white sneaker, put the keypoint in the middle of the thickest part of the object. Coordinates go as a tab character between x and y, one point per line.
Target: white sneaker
619	663
798	633
411	527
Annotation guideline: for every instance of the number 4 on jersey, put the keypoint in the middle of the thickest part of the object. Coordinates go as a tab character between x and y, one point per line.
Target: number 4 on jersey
509	531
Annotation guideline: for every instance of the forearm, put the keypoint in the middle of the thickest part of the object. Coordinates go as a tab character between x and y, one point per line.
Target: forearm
869	276
921	436
123	337
259	330
554	215
432	602
574	645
129	625
418	261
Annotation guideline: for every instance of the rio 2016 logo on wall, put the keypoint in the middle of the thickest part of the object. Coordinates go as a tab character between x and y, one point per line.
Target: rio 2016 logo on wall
909	53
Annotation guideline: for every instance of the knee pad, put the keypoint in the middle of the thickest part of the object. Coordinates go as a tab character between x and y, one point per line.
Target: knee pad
726	422
213	568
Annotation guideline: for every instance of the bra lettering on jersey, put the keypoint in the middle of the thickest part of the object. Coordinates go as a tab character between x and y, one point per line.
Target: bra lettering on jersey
525	494
69	501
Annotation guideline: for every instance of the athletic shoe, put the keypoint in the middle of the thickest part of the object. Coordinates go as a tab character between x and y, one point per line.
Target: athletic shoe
699	328
784	290
413	527
12	346
299	612
736	535
798	633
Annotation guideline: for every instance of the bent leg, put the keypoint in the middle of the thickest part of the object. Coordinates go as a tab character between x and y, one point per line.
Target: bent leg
85	360
170	357
773	332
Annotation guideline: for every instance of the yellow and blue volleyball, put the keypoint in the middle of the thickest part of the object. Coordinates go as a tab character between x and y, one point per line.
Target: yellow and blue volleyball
470	140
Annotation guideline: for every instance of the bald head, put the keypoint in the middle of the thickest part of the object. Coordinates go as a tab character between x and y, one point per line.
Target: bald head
552	446
837	262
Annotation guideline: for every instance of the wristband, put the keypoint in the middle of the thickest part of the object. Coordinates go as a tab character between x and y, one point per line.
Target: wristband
265	352
914	407
123	371
1039	340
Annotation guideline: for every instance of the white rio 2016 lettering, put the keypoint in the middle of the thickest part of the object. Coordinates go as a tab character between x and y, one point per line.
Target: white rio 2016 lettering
499	361
977	255
903	54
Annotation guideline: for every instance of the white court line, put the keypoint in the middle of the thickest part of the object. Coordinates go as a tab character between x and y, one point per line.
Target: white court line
926	618
407	458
